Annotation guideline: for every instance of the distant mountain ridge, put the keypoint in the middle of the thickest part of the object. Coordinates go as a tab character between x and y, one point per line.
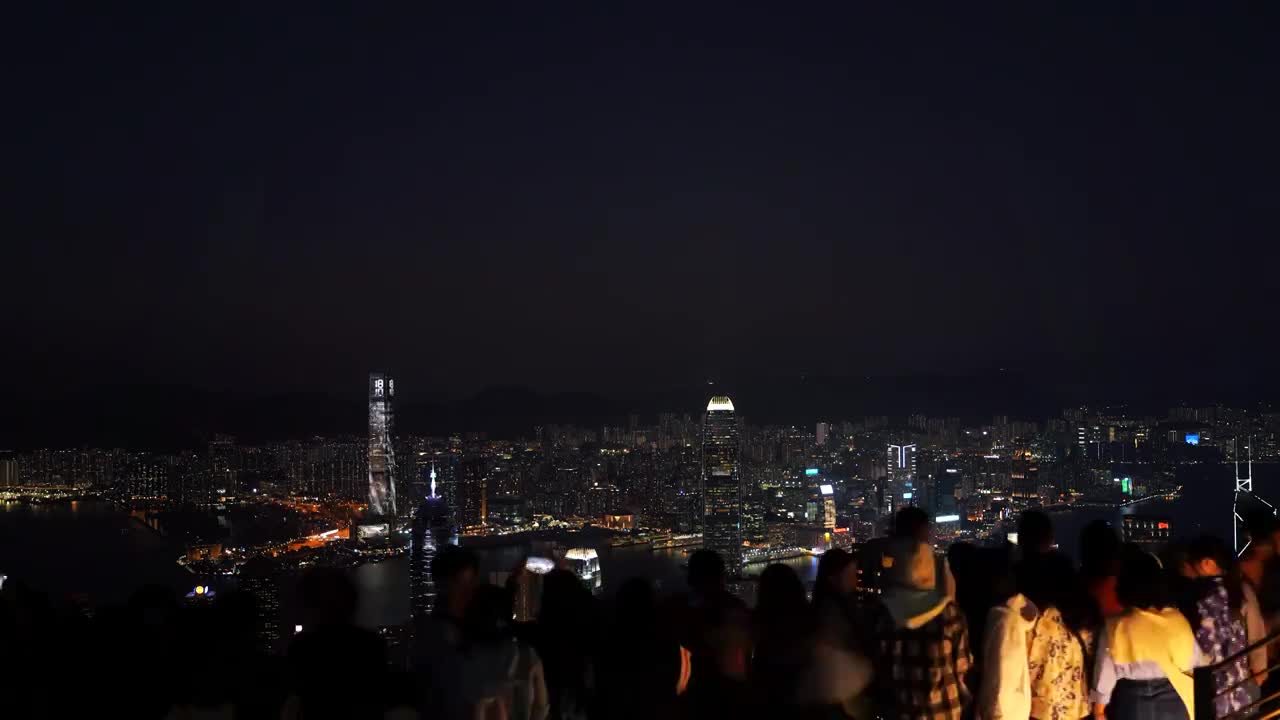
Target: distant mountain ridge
177	417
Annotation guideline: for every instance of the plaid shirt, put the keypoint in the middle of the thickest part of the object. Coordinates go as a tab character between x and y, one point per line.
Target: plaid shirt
920	673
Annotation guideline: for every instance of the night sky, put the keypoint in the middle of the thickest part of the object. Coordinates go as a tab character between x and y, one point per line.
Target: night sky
610	198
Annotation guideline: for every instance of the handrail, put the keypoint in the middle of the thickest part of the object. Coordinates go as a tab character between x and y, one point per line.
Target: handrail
1205	691
1248	710
1259	644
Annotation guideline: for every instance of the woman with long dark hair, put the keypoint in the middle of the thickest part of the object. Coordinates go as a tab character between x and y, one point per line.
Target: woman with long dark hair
834	606
838	670
566	636
1059	650
781	633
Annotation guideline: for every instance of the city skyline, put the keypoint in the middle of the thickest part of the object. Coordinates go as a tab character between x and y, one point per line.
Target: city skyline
597	360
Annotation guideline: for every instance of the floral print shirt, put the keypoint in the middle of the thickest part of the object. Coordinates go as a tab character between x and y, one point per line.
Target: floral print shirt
1220	634
1056	659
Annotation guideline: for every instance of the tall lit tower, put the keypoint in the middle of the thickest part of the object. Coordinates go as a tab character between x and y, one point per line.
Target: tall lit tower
900	483
382	455
431	530
721	483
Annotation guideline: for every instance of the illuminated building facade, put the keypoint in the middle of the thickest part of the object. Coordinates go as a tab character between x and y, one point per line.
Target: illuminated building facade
585	563
1150	532
431	530
900	479
474	490
382	456
258	578
826	495
721	483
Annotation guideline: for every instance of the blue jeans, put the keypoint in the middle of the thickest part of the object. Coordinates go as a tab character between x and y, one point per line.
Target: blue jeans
1145	700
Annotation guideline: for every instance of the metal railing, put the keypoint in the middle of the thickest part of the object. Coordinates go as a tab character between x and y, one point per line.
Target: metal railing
1266	707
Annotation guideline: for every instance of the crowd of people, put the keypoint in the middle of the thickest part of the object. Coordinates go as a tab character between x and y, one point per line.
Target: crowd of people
989	633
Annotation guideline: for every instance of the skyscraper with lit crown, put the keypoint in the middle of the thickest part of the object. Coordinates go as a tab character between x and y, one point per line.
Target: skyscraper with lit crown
432	529
722	483
382	455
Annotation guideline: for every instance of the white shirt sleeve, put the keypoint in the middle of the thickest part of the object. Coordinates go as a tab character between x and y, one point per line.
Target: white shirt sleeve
1004	658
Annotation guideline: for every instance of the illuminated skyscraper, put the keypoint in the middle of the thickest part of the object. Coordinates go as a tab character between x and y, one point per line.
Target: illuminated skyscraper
827	495
382	456
721	483
431	530
900	485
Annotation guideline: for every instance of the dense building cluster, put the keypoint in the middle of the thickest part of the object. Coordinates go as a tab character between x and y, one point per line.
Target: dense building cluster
660	475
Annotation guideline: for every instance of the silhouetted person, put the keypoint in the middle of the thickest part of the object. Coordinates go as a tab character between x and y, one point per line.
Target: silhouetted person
782	632
218	638
912	522
1100	566
970	566
261	693
641	663
31	659
335	668
502	678
1263	567
153	648
706	609
838	670
706	576
1035	533
566	636
719	686
438	638
834	601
